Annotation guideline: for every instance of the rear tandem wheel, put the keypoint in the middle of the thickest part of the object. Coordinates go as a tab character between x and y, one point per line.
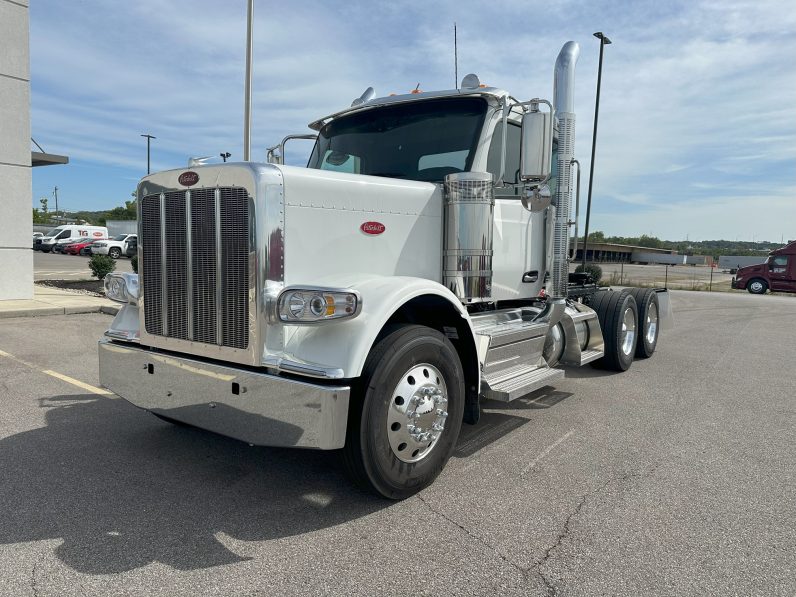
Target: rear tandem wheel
618	316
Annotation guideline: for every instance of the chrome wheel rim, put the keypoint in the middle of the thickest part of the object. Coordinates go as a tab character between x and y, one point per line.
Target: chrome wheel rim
417	413
628	331
652	323
757	286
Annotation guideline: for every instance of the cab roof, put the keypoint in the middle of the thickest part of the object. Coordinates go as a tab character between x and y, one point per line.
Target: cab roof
488	93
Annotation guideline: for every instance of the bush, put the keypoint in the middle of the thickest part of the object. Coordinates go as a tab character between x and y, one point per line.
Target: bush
101	265
595	271
134	263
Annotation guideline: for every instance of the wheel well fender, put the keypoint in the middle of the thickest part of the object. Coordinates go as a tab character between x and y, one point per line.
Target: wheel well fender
386	301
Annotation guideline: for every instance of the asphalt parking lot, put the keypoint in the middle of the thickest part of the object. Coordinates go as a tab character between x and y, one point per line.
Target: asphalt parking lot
57	266
674	478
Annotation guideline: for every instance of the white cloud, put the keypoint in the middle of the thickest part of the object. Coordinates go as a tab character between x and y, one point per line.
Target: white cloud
697	97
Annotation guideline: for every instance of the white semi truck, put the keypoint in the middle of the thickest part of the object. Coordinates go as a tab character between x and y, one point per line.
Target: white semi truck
369	302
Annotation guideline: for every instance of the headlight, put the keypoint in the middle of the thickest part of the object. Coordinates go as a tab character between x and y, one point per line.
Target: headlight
100	244
311	305
122	287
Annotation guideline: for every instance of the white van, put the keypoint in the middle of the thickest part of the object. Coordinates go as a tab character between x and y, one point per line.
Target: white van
69	233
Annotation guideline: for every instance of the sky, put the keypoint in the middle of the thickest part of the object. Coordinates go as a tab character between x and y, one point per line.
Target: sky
697	121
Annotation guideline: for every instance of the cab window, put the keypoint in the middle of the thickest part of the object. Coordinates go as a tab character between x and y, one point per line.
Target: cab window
778	264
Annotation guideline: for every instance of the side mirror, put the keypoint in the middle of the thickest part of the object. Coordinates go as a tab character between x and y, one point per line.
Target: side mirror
536	153
537	199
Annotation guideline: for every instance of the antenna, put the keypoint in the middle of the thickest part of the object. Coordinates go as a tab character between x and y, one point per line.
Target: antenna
455	58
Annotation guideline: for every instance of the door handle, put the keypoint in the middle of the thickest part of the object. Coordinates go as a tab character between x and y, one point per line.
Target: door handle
529	277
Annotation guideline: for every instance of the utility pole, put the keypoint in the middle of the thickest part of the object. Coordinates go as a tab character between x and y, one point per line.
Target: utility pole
148	139
603	42
55	192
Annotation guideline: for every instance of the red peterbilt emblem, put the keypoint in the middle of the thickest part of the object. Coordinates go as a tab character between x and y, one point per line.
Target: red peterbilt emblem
373	228
188	179
98	234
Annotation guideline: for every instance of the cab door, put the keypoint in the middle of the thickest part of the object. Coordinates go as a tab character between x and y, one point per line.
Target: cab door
781	273
518	261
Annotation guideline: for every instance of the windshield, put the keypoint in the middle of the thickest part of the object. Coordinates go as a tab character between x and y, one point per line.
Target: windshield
120	237
54	231
417	140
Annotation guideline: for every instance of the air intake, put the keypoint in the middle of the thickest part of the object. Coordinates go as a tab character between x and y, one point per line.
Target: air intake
469	214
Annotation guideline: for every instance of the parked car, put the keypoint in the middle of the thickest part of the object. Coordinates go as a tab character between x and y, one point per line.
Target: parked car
81	247
132	247
115	247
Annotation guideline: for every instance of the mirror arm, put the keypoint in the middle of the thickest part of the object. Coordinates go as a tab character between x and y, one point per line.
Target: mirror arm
288	138
506	109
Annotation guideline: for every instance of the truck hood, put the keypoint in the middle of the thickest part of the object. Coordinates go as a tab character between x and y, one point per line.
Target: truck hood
751	269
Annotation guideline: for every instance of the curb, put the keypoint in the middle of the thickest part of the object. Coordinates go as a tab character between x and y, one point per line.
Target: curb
45	311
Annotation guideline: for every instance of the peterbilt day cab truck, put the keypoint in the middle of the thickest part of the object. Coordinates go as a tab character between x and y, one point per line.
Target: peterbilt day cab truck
368	302
777	274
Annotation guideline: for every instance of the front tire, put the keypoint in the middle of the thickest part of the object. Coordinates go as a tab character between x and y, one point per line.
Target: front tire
406	413
115	252
757	286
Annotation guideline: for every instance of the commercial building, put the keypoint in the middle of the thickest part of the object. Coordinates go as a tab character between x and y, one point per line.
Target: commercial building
16	158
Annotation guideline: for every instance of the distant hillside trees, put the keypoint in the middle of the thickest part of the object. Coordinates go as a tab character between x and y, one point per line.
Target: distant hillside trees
715	248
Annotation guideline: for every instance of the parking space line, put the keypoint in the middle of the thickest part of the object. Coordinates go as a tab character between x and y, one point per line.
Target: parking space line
546	451
71	380
78	383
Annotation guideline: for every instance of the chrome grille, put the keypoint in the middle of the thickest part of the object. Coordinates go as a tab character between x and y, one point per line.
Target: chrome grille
151	258
235	266
203	259
176	278
195	256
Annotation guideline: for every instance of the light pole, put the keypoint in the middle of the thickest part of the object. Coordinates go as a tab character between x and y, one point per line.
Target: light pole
603	42
247	93
225	155
148	139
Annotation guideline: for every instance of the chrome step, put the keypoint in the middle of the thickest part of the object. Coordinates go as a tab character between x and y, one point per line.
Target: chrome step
518	381
587	356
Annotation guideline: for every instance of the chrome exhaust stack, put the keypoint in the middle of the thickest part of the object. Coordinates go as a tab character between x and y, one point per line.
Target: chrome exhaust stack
564	104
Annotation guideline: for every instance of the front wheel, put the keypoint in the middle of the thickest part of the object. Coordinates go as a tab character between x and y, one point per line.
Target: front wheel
115	252
405	416
757	286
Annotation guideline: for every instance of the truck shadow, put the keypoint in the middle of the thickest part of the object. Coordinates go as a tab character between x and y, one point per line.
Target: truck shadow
497	421
123	489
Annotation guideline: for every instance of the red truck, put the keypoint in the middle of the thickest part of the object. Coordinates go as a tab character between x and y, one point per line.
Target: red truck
777	273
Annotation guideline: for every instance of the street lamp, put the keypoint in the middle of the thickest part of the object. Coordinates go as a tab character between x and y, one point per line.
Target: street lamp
604	41
247	92
225	155
148	139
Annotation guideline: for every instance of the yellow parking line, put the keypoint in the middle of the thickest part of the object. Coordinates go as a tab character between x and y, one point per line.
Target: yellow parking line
61	376
78	383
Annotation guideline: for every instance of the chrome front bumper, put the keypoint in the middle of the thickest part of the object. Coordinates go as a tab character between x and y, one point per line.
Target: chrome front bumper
257	408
